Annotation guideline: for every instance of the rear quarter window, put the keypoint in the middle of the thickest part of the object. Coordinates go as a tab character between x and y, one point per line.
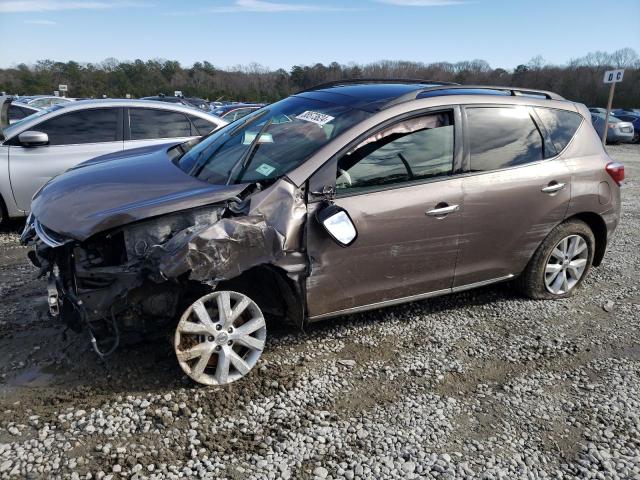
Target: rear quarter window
150	123
562	125
18	113
502	137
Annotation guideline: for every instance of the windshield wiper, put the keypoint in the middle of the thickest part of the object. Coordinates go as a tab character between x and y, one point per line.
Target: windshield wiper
247	122
246	159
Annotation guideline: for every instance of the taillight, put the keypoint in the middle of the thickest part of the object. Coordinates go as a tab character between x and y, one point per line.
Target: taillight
615	171
612	125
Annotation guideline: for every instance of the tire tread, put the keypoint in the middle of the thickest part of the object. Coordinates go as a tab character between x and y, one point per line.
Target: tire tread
531	283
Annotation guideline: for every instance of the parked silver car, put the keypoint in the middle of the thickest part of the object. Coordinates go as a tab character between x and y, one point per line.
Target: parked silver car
44	101
618	131
48	143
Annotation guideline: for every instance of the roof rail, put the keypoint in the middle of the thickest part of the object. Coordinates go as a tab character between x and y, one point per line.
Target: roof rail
376	80
513	91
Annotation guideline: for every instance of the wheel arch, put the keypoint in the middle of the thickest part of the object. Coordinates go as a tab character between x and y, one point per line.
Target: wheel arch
273	290
599	228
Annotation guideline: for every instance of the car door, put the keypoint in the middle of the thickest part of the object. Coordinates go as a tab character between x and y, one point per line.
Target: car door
74	137
153	126
515	191
398	186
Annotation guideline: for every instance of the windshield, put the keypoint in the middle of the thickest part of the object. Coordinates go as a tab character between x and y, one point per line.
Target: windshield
269	142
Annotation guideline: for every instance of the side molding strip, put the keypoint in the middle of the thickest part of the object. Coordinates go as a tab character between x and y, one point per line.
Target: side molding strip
412	298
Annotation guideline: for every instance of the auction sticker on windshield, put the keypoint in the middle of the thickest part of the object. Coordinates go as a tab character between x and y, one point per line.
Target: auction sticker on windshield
265	169
315	117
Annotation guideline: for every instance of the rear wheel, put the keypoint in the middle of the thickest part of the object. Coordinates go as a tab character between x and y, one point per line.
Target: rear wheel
561	262
220	338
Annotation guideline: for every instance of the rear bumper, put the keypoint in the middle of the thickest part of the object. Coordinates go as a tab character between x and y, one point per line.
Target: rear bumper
614	136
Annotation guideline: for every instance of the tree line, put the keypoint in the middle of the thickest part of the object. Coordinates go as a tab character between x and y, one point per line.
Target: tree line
580	79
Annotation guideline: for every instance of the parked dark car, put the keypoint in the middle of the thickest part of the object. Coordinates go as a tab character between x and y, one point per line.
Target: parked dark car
623	111
343	198
198	102
235	111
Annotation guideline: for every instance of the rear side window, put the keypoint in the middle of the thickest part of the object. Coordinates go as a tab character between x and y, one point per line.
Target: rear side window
18	113
411	150
203	126
150	123
502	137
94	125
561	125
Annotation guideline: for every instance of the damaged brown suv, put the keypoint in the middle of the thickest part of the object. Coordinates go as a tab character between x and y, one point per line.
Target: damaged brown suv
343	198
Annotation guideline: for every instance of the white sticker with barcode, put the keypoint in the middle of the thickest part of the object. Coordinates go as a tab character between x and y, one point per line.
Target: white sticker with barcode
315	117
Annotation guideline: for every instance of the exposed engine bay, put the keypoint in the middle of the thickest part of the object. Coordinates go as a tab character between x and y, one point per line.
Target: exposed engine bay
136	278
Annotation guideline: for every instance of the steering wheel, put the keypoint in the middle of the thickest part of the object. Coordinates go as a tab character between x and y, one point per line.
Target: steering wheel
345	174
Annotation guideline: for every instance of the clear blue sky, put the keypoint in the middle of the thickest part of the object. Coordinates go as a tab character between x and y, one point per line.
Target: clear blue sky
282	33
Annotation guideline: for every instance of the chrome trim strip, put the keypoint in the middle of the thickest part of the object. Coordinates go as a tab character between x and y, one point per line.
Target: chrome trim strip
482	283
412	298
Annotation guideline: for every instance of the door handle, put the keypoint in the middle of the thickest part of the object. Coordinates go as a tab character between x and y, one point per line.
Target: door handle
553	187
442	211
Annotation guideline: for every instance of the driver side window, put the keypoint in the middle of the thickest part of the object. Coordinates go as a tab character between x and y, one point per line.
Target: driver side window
408	151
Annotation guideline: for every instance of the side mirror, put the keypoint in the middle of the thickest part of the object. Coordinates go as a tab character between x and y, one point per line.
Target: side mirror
31	138
337	222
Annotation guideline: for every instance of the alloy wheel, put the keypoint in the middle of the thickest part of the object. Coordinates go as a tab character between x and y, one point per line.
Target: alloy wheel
566	264
220	338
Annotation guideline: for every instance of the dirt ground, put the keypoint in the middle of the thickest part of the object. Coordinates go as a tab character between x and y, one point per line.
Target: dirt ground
478	383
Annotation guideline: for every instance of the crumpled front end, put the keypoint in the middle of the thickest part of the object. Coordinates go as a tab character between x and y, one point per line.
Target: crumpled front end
137	276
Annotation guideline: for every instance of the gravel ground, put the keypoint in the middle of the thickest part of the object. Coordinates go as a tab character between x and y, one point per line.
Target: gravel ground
483	384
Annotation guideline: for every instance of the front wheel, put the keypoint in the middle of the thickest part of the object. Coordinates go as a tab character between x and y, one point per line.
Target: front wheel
560	263
220	338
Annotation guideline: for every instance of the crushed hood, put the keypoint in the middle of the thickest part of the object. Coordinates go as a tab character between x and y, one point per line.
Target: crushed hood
121	188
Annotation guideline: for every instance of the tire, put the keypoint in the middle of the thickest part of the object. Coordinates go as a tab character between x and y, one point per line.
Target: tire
636	137
538	281
4	216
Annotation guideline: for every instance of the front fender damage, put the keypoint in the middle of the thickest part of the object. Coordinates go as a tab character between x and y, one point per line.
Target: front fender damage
220	251
271	229
137	276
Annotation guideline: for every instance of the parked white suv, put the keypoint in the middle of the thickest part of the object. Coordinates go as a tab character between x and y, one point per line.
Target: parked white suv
53	140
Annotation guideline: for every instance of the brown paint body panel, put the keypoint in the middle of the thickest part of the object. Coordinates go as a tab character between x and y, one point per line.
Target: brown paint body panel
587	160
505	217
400	251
